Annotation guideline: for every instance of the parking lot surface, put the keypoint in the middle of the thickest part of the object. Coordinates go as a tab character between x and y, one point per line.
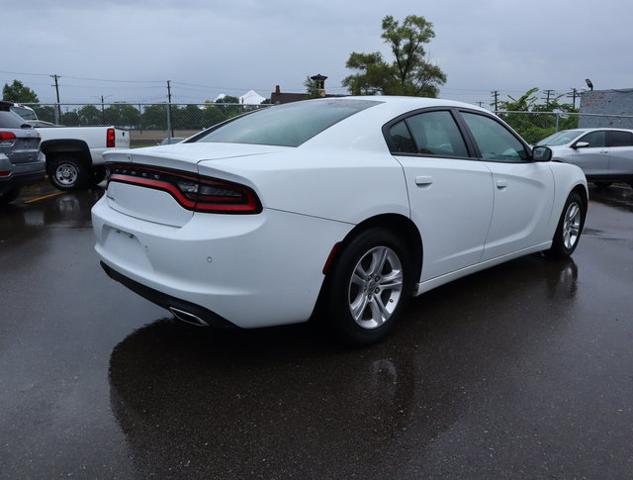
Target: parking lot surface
522	371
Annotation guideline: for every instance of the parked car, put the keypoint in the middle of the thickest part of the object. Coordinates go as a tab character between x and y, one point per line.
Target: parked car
74	155
21	162
604	154
343	206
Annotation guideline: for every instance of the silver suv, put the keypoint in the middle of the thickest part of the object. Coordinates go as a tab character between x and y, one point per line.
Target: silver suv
604	154
21	162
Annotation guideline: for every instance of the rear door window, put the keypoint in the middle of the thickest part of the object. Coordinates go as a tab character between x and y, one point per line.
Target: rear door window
619	139
400	139
437	133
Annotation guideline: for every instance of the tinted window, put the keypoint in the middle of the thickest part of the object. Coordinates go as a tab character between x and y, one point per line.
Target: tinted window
286	125
25	113
595	139
436	133
495	142
620	139
400	139
10	120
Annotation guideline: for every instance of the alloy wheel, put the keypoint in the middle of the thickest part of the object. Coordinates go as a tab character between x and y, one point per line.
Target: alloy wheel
571	225
375	288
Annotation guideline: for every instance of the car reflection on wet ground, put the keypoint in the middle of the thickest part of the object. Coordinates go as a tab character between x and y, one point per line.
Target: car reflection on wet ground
522	371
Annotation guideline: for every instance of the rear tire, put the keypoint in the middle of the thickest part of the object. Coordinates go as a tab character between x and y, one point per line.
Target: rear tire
9	195
67	172
570	225
372	277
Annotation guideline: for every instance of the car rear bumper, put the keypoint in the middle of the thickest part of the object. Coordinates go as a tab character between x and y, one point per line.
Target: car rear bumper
249	270
21	174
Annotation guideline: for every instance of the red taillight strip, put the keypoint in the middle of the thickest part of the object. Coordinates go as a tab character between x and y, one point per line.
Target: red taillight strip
4	173
157	184
206	203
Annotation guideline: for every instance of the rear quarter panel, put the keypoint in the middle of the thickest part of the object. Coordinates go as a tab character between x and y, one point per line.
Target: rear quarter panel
344	186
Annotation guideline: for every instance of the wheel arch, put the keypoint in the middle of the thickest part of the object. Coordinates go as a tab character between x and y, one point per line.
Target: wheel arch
399	224
76	148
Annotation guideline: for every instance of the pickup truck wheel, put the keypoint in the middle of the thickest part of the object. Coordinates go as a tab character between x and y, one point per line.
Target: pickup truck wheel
9	195
67	173
99	174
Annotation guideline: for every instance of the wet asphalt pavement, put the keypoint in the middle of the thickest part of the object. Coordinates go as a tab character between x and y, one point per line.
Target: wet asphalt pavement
522	371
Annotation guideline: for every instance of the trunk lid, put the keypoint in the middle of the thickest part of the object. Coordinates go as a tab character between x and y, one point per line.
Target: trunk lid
153	204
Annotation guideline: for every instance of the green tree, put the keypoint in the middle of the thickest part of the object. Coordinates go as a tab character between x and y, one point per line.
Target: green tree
122	115
19	93
311	88
154	117
90	115
409	73
532	126
211	115
70	119
229	110
45	113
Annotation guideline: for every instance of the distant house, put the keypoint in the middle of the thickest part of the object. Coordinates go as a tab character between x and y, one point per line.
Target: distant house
278	97
606	102
251	98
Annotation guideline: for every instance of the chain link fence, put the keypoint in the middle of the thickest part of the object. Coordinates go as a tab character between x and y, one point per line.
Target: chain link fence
148	123
535	126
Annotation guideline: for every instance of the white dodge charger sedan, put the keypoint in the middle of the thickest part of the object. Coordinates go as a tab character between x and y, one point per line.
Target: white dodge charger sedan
345	207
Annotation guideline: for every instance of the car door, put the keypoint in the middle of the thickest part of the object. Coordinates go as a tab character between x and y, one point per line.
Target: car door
620	146
592	158
523	190
450	192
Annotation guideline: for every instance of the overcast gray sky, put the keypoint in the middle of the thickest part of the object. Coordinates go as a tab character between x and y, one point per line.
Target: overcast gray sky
233	46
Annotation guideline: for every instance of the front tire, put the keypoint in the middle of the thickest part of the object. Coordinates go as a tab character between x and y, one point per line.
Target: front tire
570	227
68	173
368	287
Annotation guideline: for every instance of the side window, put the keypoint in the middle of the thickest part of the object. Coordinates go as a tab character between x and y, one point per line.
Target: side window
495	142
595	139
436	133
619	139
400	139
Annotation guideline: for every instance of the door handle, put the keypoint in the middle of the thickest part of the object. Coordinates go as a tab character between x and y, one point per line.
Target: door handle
423	181
502	184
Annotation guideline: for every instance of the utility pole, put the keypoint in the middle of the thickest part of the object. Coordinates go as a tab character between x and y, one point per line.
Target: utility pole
102	111
495	96
481	104
58	111
170	129
573	95
549	94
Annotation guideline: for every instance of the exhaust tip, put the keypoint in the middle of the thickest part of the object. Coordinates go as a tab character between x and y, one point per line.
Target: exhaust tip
188	317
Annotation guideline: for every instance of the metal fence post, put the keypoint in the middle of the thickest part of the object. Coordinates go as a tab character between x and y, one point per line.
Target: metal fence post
557	121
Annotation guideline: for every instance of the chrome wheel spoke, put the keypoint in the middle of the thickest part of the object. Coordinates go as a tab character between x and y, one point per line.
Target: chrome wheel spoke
375	287
359	306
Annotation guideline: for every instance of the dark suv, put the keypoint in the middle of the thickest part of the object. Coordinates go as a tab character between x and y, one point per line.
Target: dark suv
21	162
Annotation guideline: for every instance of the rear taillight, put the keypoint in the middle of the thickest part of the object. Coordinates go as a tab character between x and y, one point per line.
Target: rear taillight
110	138
4	173
7	139
191	191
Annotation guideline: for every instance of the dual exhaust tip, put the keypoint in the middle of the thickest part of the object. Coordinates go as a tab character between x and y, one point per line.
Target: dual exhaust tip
188	317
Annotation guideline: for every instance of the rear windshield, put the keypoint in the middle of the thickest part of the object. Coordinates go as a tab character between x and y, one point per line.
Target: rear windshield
286	125
10	120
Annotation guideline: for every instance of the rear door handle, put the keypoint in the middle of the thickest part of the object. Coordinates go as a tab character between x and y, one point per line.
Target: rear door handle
502	184
423	181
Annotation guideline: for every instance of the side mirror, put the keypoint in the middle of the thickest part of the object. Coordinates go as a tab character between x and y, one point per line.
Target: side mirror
580	145
541	154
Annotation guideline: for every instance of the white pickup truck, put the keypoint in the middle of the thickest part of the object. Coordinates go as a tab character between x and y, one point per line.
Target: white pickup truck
74	155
